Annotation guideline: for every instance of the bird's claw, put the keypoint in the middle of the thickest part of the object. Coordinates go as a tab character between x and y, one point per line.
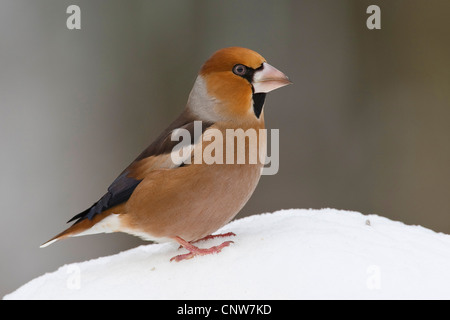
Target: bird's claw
210	237
195	251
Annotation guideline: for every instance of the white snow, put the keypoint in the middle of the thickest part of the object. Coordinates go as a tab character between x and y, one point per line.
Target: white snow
289	254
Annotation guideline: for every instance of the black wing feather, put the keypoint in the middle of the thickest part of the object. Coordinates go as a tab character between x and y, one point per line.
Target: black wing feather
118	192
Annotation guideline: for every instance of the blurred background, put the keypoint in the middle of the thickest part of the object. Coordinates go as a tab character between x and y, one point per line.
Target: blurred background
365	127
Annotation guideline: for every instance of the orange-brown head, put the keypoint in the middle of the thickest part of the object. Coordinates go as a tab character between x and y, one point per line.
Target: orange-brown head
232	85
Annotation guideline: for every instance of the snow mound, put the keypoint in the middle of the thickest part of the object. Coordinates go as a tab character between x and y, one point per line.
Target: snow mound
289	254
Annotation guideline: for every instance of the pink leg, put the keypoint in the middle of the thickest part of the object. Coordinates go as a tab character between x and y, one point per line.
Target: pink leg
223	235
195	251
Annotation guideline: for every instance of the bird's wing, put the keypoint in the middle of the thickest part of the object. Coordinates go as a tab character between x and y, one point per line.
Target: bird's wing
156	157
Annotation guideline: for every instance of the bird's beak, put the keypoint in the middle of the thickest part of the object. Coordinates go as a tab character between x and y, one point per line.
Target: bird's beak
268	79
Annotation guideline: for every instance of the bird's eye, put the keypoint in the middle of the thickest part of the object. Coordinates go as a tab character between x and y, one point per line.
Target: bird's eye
239	70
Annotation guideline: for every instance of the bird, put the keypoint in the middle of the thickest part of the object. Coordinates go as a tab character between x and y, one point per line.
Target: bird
185	201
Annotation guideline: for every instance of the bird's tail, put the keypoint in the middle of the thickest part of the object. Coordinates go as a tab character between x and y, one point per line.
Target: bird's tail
60	236
105	222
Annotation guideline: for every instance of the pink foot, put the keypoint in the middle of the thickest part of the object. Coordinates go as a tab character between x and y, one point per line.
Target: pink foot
195	251
223	235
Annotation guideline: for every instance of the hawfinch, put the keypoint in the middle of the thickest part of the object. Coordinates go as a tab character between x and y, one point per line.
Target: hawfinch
171	191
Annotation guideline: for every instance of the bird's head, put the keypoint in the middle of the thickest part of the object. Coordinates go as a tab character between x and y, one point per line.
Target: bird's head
232	85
